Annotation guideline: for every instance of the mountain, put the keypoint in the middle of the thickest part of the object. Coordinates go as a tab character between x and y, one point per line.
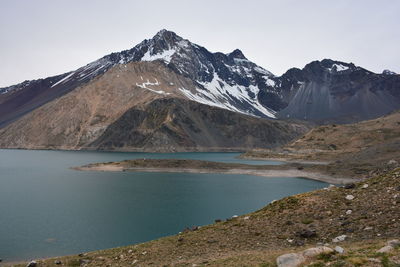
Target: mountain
332	91
90	106
228	81
84	108
323	91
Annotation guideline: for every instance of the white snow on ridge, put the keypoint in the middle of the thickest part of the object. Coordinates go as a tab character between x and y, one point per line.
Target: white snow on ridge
63	80
339	67
166	56
269	81
220	94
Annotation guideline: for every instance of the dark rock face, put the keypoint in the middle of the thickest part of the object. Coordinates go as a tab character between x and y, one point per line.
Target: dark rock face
183	124
331	91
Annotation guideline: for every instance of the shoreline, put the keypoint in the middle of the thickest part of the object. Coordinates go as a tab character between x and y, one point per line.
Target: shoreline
287	160
283	173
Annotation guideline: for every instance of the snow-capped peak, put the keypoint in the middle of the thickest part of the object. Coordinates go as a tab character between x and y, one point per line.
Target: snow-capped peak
229	81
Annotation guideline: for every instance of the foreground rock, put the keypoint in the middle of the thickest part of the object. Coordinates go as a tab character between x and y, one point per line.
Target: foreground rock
296	259
390	245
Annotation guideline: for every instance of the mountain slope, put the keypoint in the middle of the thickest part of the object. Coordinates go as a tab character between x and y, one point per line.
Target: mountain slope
170	124
332	91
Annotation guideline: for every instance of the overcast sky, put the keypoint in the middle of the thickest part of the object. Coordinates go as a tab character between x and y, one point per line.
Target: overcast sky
41	38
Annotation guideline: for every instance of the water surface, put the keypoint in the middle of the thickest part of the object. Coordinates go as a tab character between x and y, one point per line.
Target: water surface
47	209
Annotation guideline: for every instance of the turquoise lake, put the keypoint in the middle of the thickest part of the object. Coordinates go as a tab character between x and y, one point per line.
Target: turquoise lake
48	209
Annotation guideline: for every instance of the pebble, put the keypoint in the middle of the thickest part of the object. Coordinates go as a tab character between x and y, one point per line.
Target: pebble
364	186
339	238
57	262
32	264
374	260
348	212
339	249
349	197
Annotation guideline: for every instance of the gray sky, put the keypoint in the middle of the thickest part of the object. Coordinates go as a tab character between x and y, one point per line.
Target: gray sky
42	38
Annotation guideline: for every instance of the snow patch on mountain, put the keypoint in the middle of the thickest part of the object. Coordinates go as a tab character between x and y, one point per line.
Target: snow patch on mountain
66	78
221	94
338	67
145	85
165	56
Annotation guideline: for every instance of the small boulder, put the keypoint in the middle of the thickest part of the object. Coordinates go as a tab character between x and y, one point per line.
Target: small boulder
57	262
339	249
297	259
32	264
312	252
385	249
339	238
364	186
348	212
394	243
290	260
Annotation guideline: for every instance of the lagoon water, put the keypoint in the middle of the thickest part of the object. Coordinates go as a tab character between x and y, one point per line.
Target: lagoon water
48	209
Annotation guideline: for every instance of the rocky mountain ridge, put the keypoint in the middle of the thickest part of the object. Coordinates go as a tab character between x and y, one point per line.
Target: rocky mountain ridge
323	91
75	109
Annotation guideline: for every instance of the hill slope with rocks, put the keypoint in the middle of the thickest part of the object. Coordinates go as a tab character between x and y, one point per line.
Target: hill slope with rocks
355	150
